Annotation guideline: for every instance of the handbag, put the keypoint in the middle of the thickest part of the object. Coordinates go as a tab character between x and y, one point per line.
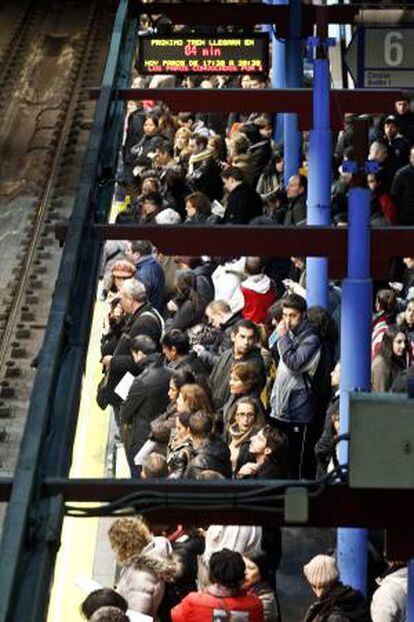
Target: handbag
102	392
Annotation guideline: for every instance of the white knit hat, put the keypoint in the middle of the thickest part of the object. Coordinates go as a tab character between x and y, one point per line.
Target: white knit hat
168	216
321	571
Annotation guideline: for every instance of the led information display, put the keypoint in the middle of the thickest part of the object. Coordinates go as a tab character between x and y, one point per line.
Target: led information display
219	54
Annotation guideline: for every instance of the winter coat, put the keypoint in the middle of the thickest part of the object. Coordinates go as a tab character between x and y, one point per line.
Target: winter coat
226	280
384	372
203	219
113	251
185	550
145	321
150	273
383	204
147	398
260	150
402	190
273	469
189	313
399	147
212	455
405	124
220	376
243	539
243	204
179	455
243	161
145	146
204	281
259	294
199	606
190	362
267	596
220	342
239	445
380	324
296	213
293	398
142	581
204	175
389	602
119	366
340	604
325	446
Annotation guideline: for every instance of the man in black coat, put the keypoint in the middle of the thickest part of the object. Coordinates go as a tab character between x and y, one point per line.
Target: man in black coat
267	457
405	118
143	318
296	194
244	338
203	170
243	202
402	190
176	349
398	145
147	398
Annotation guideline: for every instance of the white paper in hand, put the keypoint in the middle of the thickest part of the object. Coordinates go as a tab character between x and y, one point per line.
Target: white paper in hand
217	209
134	616
145	450
124	385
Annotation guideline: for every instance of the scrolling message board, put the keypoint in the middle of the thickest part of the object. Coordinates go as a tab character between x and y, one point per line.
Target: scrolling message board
216	54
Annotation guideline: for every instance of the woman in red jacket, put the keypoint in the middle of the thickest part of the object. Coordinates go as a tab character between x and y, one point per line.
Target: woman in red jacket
224	598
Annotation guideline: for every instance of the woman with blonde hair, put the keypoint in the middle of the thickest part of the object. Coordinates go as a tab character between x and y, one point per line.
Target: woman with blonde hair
182	145
145	563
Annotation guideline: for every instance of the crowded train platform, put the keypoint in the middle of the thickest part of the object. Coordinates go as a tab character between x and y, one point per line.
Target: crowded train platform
210	368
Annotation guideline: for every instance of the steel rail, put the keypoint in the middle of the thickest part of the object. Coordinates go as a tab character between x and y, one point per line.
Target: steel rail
44	199
23	23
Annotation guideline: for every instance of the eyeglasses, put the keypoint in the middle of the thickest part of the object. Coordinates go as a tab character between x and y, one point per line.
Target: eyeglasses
246	415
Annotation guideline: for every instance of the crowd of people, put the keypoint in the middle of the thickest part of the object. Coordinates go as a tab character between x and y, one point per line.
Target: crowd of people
168	577
215	367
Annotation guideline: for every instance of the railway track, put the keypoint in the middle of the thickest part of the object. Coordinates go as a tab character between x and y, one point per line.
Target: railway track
45	117
16	21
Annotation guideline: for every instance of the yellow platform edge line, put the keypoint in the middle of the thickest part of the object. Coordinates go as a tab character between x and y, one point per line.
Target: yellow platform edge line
78	544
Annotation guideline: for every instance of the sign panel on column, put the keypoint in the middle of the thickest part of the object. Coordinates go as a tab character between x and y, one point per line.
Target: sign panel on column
382	57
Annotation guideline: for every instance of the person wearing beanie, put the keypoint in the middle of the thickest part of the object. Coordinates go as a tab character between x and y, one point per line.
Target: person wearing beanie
335	602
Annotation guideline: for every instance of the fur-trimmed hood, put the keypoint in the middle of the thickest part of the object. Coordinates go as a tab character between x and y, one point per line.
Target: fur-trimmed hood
143	579
163	569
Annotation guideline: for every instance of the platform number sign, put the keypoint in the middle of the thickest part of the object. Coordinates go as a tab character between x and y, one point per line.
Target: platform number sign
382	57
394	48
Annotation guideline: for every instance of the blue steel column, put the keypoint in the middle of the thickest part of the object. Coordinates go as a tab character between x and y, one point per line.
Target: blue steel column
356	318
319	181
294	79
